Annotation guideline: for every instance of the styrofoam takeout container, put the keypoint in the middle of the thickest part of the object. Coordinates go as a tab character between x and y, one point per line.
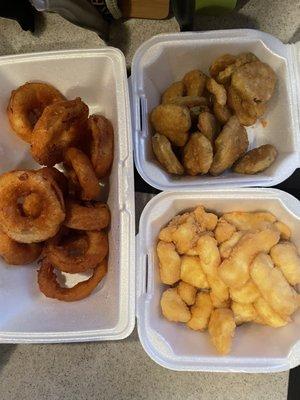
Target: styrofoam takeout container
255	348
99	78
166	58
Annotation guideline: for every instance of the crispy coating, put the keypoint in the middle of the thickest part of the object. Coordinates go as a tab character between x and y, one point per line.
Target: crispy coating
243	312
208	125
217	90
206	220
230	145
176	89
172	121
26	105
256	160
201	312
217	303
185	237
273	286
50	287
173	307
240	107
15	253
169	263
285	232
197	154
285	256
87	217
164	153
187	292
190	101
224	231
221	63
222	113
243	58
267	316
166	234
59	178
226	247
32	206
194	82
249	221
221	329
245	294
234	270
192	272
254	81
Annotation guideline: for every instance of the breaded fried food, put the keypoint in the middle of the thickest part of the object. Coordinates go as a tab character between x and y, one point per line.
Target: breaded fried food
221	63
240	108
230	145
190	101
208	125
173	307
194	82
246	294
185	236
243	58
256	160
166	234
267	316
169	263
226	247
187	292
254	81
173	121
273	286
164	153
176	89
285	256
206	220
201	312
221	329
243	312
217	303
222	113
197	154
192	272
285	232
249	221
234	270
224	231
217	90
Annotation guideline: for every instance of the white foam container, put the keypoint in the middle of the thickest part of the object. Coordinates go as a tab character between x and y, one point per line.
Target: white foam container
166	58
255	348
26	315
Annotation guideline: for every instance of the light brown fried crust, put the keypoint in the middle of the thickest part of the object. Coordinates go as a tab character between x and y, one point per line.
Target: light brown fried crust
176	89
26	105
197	154
194	82
15	253
50	287
256	160
87	216
222	113
224	76
163	152
56	175
221	63
240	108
208	126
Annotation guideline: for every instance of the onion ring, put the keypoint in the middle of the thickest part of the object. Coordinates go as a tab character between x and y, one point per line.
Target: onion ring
70	261
53	173
15	186
102	144
50	288
90	217
60	126
18	253
85	173
26	105
32	206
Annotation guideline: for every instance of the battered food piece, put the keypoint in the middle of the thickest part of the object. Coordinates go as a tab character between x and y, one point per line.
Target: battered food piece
222	113
191	272
15	253
50	287
194	82
208	126
240	108
285	256
246	294
169	263
166	234
60	126
217	90
185	237
267	316
285	232
224	231
273	286
221	63
206	220
163	151
176	89
221	329
243	312
55	175
197	154
254	81
32	206
230	145
173	307
243	58
87	216
187	292
173	121
27	104
217	303
201	312
250	221
256	160
234	271
190	101
226	247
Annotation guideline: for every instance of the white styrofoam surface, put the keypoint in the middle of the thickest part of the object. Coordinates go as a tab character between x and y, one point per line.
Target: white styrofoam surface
166	58
99	78
255	348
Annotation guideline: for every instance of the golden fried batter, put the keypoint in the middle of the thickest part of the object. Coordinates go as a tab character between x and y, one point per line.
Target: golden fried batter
222	113
173	307
163	151
256	160
221	328
201	312
197	154
187	292
177	89
244	58
194	82
221	63
285	256
208	125
240	108
169	263
217	90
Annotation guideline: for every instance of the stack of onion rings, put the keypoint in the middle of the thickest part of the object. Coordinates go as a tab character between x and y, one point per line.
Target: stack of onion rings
88	217
15	253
